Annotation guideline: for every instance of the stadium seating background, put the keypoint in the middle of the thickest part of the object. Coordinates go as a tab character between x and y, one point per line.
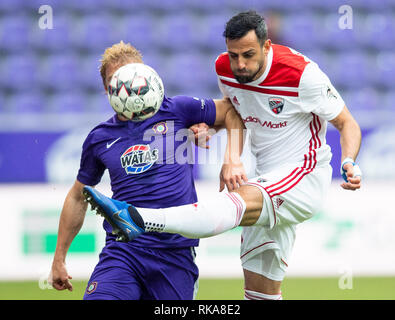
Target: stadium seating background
50	84
51	95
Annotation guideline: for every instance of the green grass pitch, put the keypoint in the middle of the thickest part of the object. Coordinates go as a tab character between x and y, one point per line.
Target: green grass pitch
363	288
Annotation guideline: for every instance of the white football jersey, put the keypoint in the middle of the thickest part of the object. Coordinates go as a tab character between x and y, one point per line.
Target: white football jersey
286	110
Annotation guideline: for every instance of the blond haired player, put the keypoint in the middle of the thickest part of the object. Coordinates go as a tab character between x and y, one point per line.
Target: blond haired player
285	100
155	266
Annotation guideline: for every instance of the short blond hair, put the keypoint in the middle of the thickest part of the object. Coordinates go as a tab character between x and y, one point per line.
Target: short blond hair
118	53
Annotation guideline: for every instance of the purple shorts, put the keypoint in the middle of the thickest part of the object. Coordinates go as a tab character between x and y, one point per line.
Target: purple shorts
125	272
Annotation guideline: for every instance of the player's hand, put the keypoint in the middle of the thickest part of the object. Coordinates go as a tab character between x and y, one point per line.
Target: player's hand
232	176
59	278
353	178
201	135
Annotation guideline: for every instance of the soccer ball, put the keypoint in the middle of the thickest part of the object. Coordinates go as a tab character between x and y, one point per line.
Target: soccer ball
136	91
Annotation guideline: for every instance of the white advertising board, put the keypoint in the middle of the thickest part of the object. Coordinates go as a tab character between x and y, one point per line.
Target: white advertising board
354	234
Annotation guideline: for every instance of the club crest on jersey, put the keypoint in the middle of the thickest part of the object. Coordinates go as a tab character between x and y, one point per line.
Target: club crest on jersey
160	127
276	104
138	158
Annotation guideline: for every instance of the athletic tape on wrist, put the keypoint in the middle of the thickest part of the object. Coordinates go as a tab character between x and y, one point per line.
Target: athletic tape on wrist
357	170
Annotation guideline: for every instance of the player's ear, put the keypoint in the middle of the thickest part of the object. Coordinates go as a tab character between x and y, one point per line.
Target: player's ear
266	46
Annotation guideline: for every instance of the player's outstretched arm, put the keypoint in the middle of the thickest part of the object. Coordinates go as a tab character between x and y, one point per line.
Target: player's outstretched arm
232	172
71	220
203	132
350	141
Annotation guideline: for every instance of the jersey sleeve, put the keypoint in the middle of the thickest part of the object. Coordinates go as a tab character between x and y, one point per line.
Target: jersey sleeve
318	95
91	168
222	88
195	110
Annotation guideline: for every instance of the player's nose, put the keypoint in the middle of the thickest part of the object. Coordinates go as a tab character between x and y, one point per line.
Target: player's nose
241	65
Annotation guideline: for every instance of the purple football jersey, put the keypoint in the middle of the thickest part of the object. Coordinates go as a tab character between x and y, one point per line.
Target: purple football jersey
149	162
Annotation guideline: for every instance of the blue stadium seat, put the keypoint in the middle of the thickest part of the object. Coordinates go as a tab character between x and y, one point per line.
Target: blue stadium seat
57	39
31	6
352	70
73	101
188	74
166	6
90	74
156	60
14	33
85	6
25	102
94	33
19	73
370	5
209	6
3	105
379	31
122	6
366	98
389	100
178	33
139	30
265	7
60	73
385	69
328	6
98	103
11	6
300	31
332	37
213	27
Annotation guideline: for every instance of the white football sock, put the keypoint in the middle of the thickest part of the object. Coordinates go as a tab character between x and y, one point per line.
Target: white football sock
199	220
254	295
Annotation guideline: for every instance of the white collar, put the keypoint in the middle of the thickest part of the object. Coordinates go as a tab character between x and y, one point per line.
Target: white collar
268	66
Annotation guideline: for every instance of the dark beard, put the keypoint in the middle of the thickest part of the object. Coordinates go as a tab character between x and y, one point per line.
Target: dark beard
244	79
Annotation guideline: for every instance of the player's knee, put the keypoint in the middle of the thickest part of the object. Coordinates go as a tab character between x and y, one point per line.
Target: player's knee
253	198
257	284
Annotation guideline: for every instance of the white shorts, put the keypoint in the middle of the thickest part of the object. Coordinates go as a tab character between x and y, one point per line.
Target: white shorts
291	195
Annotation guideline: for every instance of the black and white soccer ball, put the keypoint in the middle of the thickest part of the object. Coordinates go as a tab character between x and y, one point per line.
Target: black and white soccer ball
136	91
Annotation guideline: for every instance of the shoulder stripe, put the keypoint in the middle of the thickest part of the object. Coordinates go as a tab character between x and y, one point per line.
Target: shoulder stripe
260	89
286	69
222	66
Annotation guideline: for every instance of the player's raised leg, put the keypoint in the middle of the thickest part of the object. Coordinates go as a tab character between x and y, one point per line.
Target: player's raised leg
204	219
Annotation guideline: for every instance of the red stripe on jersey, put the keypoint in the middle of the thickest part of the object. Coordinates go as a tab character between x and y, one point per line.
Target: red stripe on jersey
295	176
260	90
294	184
317	125
238	205
269	187
222	66
286	69
284	184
